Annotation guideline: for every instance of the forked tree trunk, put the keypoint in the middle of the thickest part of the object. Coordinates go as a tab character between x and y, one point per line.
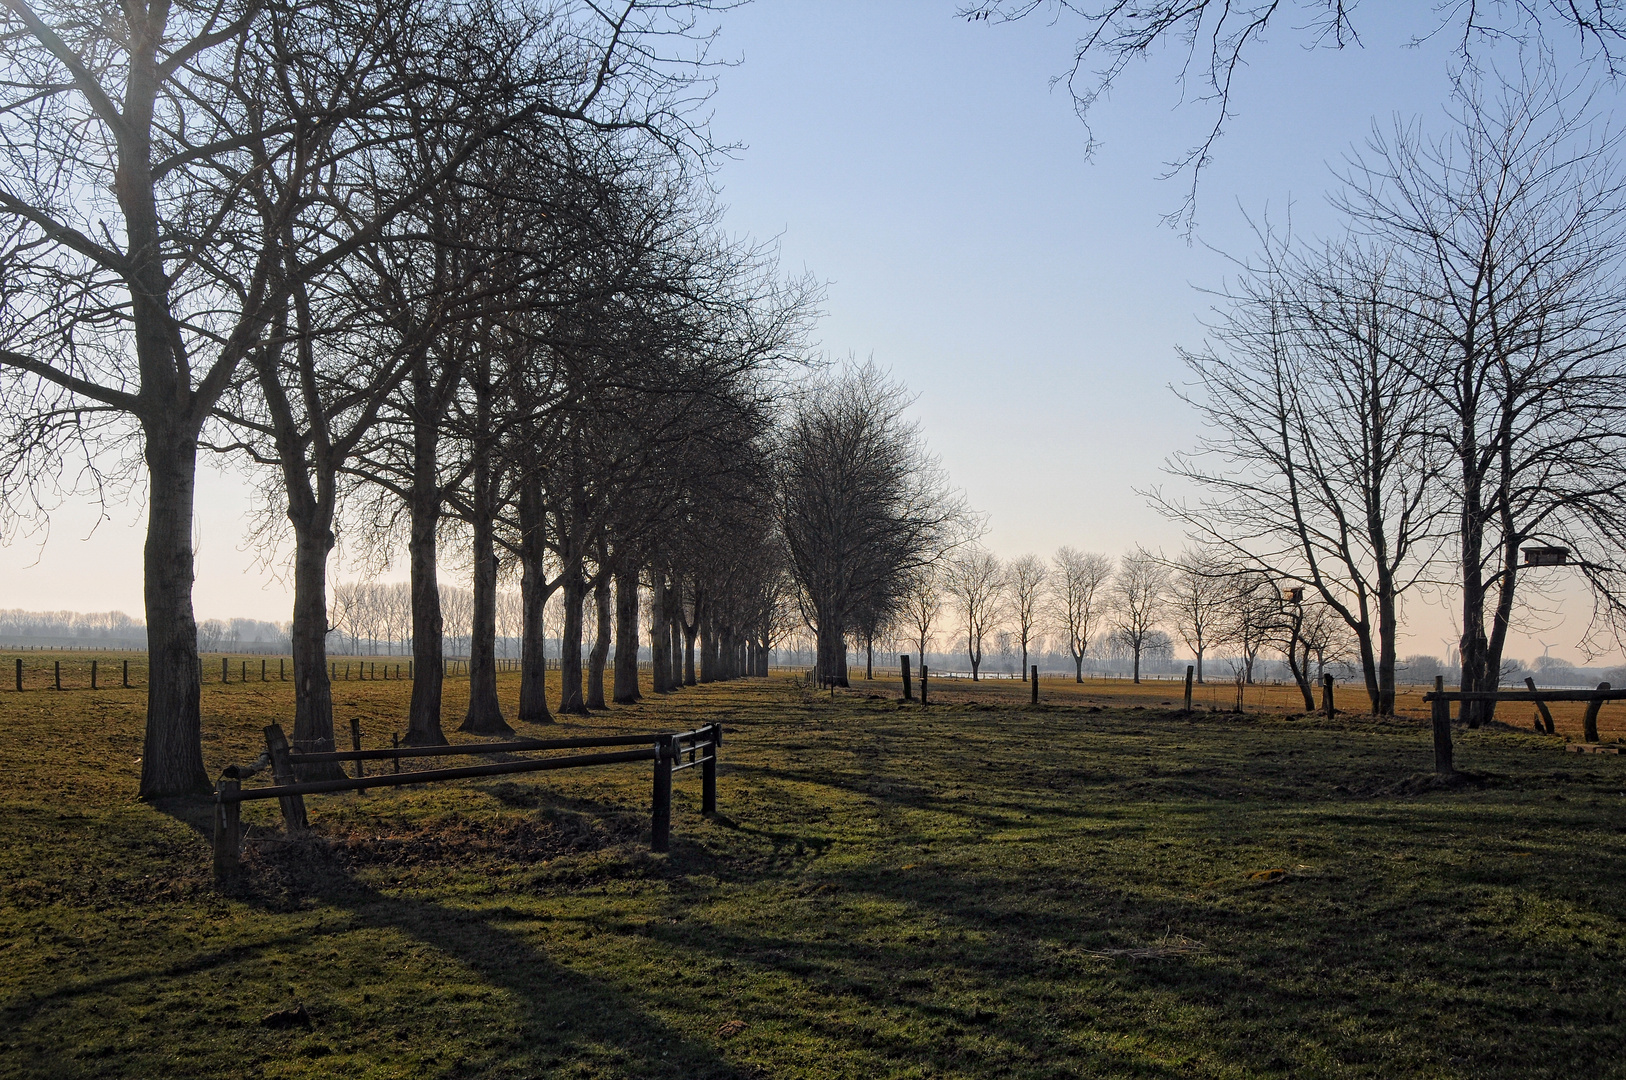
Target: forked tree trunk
172	751
600	655
626	637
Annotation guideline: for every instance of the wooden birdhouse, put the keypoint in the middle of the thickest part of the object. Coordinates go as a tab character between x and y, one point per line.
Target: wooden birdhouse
1546	556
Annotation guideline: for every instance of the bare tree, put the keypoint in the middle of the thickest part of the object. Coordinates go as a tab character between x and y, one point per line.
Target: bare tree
1078	591
922	604
1138	601
975	579
1198	584
1513	233
1025	580
1217	36
861	504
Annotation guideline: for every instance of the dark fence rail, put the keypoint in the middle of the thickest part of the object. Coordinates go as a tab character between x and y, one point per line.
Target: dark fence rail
666	750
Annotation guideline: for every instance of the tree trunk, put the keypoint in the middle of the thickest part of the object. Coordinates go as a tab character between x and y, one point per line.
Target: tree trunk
600	655
1078	668
1137	665
626	637
689	632
428	656
674	639
869	658
570	642
313	693
708	649
534	590
172	751
660	653
485	713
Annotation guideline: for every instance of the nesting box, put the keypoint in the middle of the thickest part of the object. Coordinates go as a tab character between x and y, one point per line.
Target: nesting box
1295	595
1546	556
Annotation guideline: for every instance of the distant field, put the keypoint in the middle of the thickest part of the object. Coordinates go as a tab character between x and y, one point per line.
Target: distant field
1097	887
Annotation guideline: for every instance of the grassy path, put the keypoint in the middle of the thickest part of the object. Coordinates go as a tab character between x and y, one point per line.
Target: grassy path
980	891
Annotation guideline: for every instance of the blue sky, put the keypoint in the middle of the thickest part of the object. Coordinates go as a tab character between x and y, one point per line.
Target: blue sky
925	168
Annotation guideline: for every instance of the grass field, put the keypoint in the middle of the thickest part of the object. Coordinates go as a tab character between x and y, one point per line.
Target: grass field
1095	887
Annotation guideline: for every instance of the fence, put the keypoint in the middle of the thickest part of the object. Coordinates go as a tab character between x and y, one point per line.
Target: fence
666	750
1441	699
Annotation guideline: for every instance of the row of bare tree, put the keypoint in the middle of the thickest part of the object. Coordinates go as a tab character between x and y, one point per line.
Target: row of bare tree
1088	604
427	268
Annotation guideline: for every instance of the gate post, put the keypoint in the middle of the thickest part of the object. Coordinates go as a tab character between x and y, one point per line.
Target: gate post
908	687
282	771
1442	728
660	818
708	772
228	833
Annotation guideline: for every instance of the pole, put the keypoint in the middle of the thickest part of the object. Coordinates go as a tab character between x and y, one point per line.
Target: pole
127	674
660	818
58	667
1442	728
228	834
19	674
1589	723
923	683
1326	695
708	773
1541	706
1190	671
908	687
93	674
1035	685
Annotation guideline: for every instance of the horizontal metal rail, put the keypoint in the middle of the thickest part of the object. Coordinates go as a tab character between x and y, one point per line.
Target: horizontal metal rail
425	776
515	746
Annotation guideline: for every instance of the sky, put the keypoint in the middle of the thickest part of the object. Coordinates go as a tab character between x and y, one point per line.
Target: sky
926	170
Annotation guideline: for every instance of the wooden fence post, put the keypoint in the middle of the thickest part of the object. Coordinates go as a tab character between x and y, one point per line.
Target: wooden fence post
1541	706
225	675
282	771
57	665
1035	687
923	683
660	818
1589	723
708	773
93	674
19	674
1191	670
127	674
262	670
355	744
280	676
908	685
228	834
1442	728
244	677
1326	695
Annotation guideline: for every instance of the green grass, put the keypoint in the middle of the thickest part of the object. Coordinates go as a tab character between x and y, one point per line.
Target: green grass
985	890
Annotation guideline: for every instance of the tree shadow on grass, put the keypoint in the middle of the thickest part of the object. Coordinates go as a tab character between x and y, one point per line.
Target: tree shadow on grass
548	1019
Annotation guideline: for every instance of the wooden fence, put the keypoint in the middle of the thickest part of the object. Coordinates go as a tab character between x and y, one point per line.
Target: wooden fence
666	750
1440	701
